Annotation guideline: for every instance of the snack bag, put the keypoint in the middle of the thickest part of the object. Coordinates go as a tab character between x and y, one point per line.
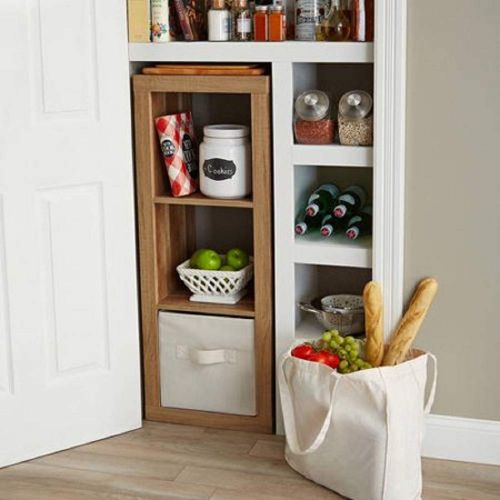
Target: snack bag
177	143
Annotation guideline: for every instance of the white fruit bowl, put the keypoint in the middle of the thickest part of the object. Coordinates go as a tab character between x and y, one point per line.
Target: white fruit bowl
220	287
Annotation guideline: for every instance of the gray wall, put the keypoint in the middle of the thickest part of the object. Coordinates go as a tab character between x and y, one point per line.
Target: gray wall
453	194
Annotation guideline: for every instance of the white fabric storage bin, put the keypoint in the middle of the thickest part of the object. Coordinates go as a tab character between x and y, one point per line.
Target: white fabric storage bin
207	363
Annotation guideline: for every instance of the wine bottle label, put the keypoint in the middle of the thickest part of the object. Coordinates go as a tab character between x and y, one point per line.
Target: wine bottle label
331	188
359	192
348	199
354	220
219	169
312	198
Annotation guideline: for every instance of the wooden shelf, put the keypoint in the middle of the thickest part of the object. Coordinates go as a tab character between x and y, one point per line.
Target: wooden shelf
180	302
292	51
170	229
200	200
334	155
315	249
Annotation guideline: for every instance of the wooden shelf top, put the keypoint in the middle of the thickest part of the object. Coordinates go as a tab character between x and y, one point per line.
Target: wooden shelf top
180	302
200	200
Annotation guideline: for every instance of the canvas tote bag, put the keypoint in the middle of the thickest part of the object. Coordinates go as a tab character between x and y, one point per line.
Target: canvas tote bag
358	434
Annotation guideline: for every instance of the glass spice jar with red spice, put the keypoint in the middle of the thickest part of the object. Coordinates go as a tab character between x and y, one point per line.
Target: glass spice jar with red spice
260	24
313	123
277	24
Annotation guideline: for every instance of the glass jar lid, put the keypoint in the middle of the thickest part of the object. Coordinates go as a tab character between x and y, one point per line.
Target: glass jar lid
355	104
226	131
312	105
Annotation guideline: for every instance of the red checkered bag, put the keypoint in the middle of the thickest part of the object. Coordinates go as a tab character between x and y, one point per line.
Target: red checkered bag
177	143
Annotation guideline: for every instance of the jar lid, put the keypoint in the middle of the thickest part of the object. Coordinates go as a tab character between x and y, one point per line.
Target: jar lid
226	131
355	104
312	105
261	8
276	8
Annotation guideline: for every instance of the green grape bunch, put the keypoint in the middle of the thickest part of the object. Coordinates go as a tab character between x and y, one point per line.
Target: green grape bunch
346	348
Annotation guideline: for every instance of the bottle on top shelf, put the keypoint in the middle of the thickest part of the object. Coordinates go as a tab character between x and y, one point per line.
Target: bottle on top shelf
330	225
322	200
306	223
350	201
241	21
360	224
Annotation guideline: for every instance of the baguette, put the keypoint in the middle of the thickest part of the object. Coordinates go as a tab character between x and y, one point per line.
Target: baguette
374	323
409	325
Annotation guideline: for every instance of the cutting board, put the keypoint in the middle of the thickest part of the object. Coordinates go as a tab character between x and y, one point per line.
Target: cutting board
201	69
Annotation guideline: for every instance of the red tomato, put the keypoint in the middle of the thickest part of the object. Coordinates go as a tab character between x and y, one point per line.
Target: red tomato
303	351
325	357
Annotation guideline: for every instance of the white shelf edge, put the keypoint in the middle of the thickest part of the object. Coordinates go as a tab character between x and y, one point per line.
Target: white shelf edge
334	155
330	253
290	51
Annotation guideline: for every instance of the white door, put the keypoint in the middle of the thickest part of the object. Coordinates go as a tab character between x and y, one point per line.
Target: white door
69	342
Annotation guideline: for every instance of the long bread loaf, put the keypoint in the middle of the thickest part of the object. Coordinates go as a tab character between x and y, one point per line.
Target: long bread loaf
374	323
409	325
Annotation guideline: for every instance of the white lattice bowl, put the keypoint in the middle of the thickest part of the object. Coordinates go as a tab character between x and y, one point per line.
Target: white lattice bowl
223	287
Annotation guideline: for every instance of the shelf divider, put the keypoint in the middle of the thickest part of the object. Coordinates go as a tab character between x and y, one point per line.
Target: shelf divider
334	155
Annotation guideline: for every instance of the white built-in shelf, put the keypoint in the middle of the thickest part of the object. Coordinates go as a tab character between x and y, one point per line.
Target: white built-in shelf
336	250
308	329
333	155
291	51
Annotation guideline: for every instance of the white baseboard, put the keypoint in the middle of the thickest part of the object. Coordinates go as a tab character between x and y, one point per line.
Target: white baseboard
462	439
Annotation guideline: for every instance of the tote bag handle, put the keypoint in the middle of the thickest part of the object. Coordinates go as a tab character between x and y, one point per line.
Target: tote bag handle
289	417
432	390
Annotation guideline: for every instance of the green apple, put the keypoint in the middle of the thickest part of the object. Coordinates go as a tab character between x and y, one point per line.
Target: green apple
208	260
237	258
227	268
193	262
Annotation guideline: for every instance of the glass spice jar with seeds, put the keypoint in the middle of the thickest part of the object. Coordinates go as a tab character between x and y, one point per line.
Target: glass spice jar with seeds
355	119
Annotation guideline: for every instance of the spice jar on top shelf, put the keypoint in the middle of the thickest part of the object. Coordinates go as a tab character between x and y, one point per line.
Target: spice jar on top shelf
261	23
241	21
277	24
313	123
356	118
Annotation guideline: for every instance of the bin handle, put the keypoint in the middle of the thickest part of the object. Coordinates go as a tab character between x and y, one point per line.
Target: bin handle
206	357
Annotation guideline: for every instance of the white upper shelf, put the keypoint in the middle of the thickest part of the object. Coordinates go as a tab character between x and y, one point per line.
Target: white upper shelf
333	155
291	51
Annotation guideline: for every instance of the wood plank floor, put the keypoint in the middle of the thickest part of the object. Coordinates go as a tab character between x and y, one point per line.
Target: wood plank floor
175	461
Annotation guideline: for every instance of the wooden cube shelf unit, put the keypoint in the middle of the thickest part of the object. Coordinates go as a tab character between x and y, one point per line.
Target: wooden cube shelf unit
167	237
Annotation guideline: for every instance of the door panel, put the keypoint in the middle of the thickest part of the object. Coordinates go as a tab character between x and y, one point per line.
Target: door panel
69	341
72	250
